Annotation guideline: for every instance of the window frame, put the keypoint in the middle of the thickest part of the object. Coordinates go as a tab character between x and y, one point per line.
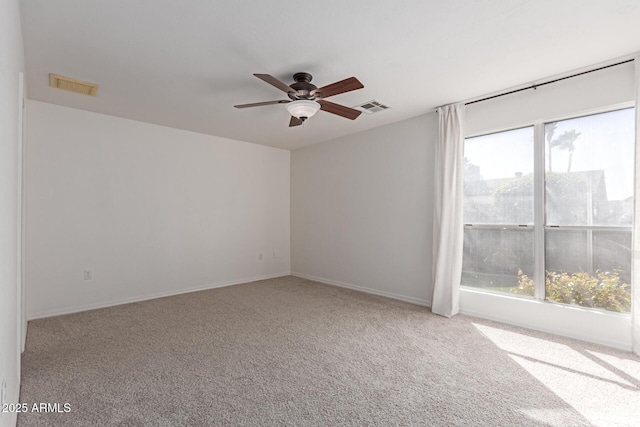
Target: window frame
539	204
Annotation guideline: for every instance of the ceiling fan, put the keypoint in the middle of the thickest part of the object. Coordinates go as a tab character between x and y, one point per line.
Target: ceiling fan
305	99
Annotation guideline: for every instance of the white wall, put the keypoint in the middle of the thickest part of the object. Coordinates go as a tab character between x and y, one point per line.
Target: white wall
568	98
150	210
362	211
11	64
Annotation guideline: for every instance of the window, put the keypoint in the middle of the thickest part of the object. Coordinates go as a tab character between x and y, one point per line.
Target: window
498	209
548	211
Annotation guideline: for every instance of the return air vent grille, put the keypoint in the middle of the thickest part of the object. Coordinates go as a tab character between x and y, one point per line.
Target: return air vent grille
372	107
72	85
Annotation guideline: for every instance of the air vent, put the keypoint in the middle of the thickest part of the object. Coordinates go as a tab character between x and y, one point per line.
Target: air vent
372	107
72	85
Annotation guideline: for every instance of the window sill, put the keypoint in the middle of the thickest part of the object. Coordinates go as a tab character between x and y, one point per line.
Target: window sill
592	325
532	300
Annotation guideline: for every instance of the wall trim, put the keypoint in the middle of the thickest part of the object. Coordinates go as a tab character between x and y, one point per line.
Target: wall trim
121	301
548	317
404	298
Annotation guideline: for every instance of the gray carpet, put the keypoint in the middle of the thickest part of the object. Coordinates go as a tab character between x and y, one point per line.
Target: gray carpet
289	351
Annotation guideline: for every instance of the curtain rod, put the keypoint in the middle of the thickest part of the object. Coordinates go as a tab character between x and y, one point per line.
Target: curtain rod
549	82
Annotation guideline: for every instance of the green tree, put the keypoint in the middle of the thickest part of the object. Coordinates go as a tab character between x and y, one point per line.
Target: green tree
566	141
514	199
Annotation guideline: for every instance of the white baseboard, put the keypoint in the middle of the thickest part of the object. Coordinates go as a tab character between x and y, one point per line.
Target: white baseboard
111	303
412	300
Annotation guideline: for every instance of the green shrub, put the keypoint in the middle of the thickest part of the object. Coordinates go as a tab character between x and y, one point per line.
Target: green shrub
604	290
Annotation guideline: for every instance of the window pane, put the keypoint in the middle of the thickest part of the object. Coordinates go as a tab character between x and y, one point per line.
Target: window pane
499	260
589	170
591	268
498	178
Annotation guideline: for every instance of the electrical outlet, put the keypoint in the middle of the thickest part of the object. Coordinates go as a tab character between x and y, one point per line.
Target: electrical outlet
88	275
275	255
260	256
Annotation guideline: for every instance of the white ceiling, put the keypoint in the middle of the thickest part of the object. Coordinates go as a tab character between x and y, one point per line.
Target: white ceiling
185	64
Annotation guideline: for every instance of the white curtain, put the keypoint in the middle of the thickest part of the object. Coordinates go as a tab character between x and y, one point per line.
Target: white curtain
635	296
447	224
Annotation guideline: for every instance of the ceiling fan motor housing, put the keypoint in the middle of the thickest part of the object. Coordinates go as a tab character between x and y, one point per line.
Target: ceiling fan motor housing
303	87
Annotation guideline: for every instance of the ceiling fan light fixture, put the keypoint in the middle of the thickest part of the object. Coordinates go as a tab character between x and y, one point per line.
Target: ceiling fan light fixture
302	108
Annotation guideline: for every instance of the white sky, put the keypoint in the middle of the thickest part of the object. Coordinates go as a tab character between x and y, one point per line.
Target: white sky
606	142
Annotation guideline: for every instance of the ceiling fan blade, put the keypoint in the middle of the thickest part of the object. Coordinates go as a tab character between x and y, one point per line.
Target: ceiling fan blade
275	82
342	86
340	110
295	121
259	104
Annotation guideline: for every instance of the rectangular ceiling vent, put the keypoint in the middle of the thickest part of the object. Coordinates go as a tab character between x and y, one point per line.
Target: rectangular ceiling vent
372	107
72	85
